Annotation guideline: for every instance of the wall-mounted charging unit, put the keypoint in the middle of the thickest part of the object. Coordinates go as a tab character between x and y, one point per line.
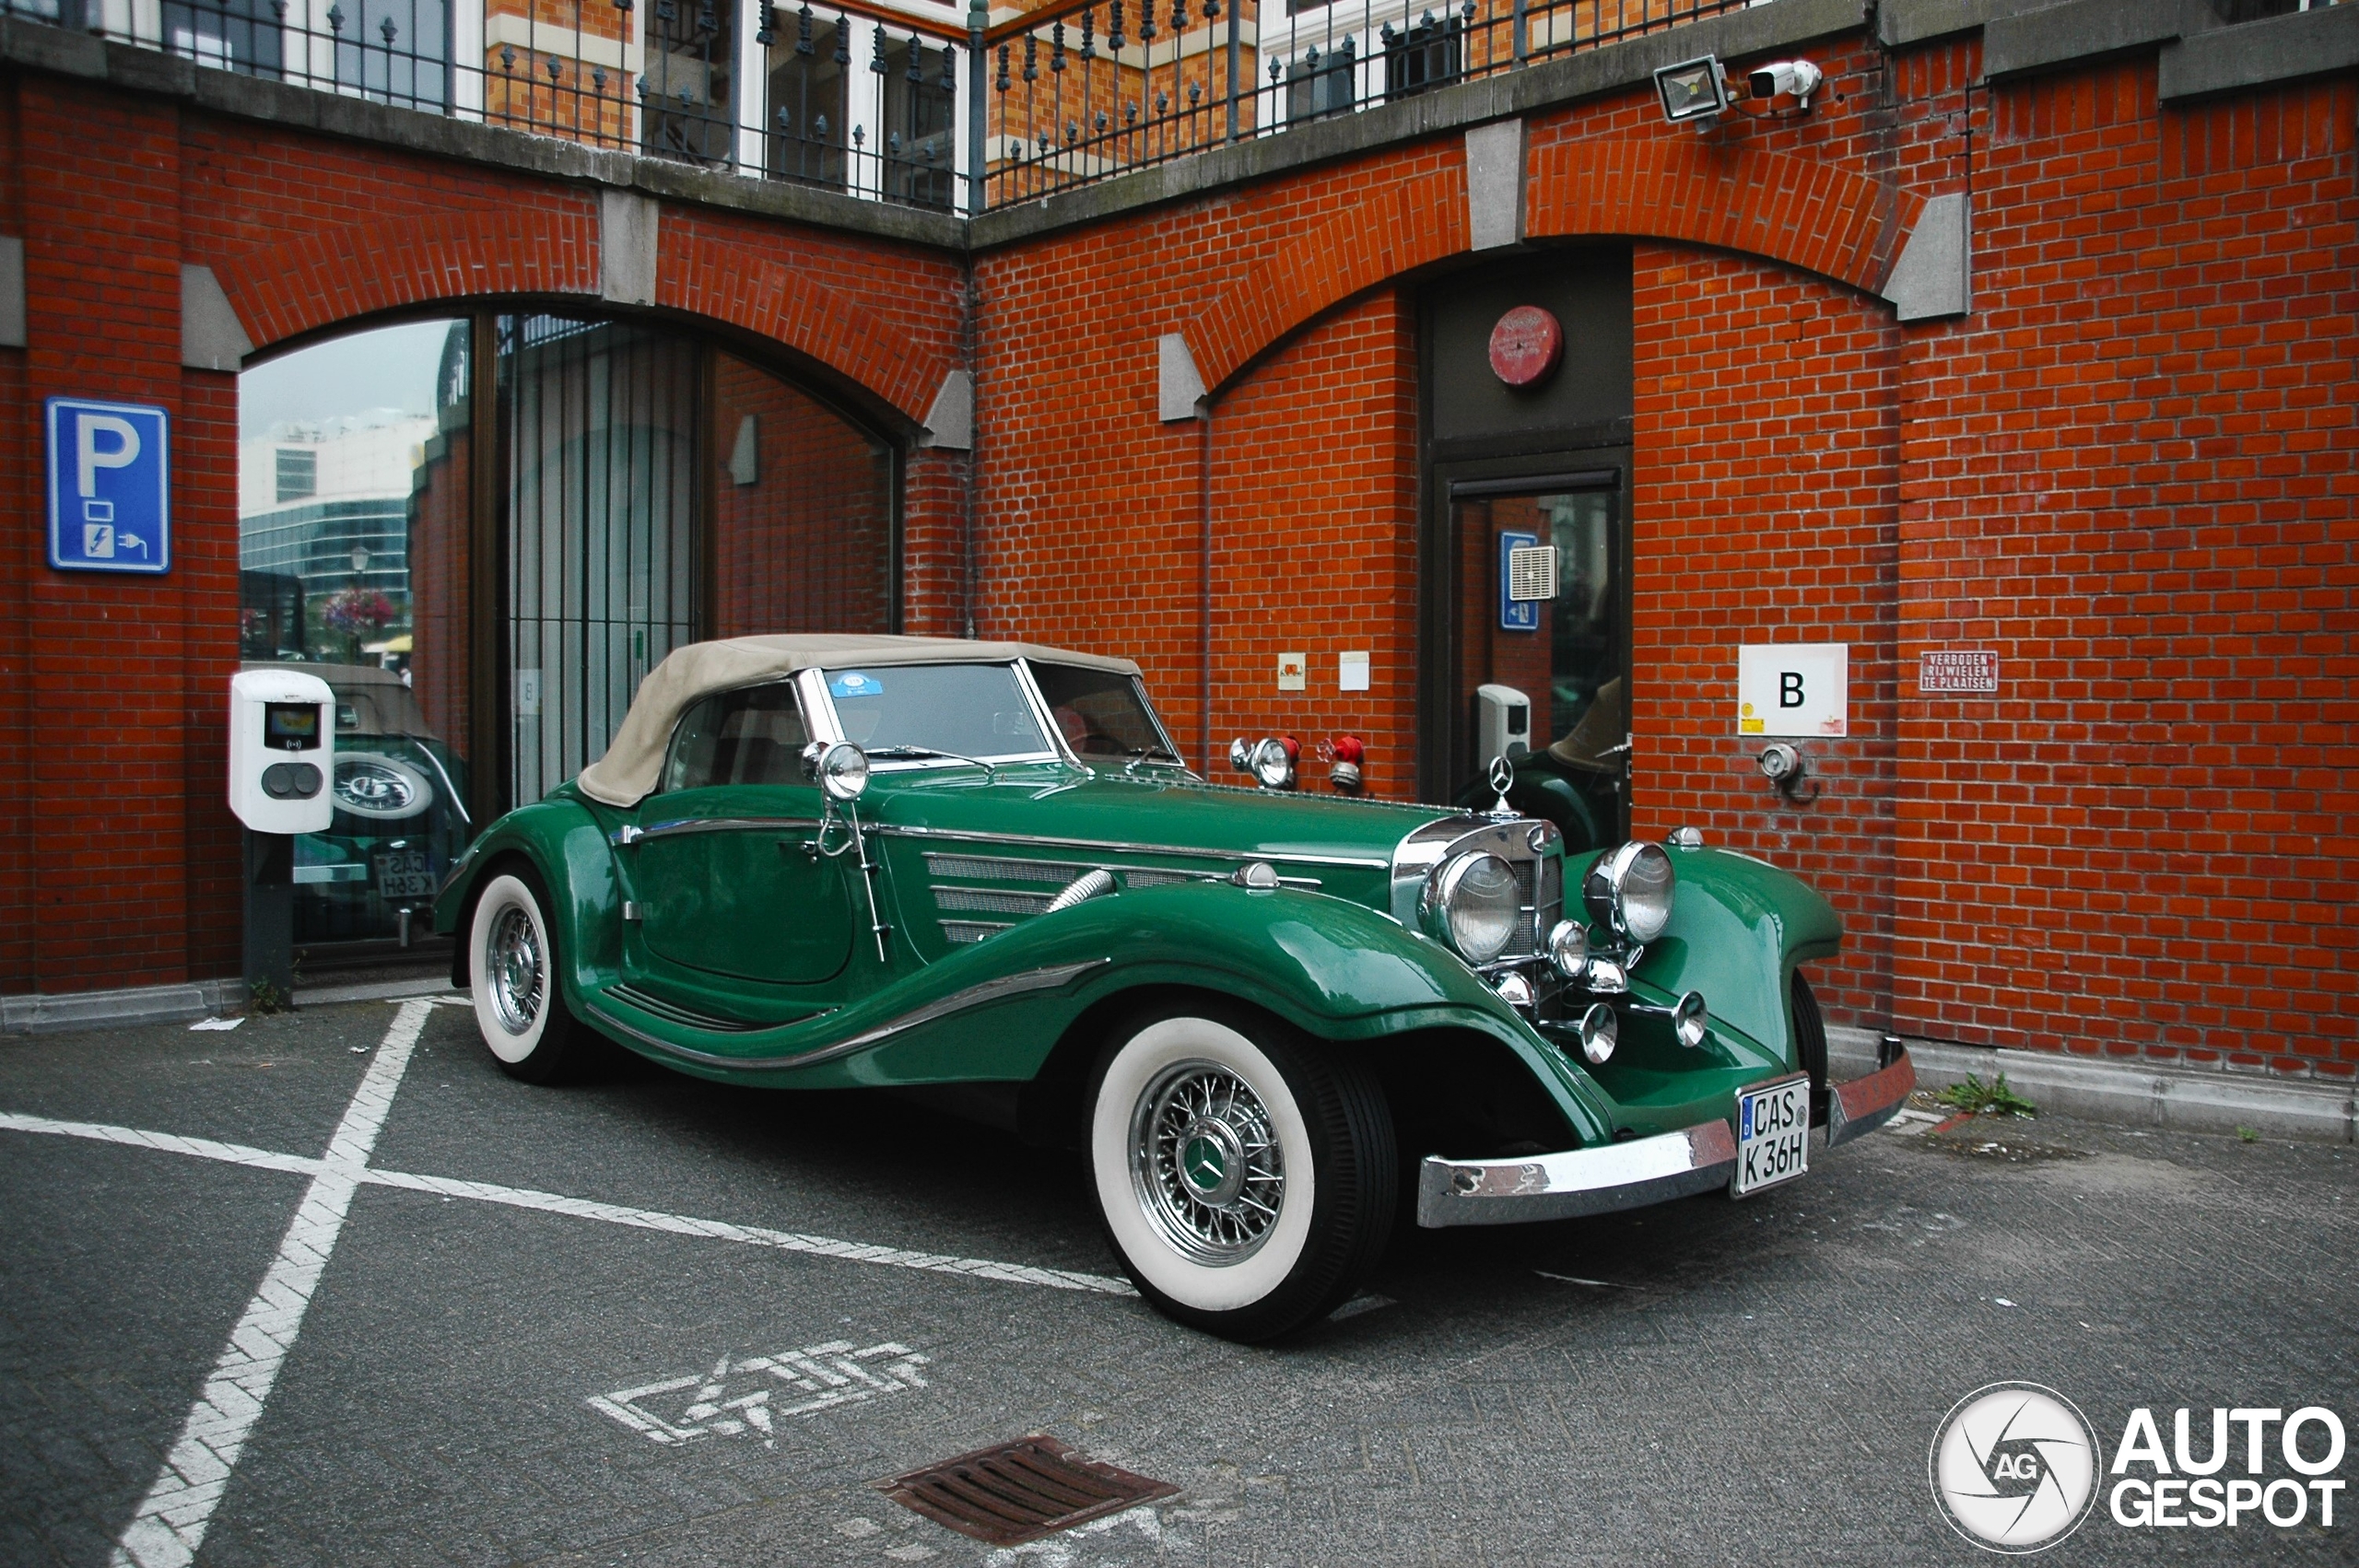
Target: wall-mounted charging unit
282	783
1502	723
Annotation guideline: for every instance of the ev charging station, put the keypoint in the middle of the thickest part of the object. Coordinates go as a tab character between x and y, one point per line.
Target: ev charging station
282	770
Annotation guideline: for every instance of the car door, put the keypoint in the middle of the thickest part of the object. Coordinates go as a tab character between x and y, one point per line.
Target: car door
726	868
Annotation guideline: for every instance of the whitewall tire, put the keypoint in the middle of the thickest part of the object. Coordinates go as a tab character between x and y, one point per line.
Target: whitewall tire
512	971
1245	1177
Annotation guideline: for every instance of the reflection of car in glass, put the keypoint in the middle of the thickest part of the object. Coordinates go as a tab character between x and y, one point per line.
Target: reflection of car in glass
400	814
818	862
1574	781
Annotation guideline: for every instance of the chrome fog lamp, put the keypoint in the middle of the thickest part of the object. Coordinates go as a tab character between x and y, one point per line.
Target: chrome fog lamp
1629	889
1471	903
1600	1031
1568	948
1515	991
1693	89
1689	1020
843	772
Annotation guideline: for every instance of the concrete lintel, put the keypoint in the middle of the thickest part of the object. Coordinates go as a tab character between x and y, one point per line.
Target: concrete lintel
48	1014
1933	275
1495	183
2084	30
2264	53
12	291
1179	385
1903	22
628	227
212	338
2139	1094
950	423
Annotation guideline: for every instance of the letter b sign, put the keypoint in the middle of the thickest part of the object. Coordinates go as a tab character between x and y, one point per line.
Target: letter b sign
1793	689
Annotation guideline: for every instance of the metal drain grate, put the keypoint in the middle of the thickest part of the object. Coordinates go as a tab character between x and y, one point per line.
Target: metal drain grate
1020	1491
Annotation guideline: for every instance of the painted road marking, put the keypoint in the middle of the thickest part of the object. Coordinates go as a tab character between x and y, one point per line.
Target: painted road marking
170	1522
814	1378
589	1209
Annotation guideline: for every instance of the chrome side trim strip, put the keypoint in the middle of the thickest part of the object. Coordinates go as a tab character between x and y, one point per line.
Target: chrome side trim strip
1116	846
1578	1181
716	825
996	990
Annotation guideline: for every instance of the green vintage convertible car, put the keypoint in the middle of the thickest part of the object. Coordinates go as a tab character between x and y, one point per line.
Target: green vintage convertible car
830	862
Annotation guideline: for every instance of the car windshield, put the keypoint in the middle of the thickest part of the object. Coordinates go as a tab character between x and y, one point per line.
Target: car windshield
969	711
1102	714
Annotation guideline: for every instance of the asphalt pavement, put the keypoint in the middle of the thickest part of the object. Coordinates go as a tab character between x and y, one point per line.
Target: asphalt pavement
427	1314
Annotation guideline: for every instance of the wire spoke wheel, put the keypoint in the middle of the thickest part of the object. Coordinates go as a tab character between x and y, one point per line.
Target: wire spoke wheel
1206	1162
518	978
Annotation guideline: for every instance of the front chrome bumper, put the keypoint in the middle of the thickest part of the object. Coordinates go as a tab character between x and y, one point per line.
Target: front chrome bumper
1643	1171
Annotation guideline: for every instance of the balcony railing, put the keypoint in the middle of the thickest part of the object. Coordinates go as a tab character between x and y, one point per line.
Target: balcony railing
890	102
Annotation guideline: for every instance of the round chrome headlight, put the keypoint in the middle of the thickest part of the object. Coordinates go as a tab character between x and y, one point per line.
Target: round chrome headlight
1273	768
1472	904
1629	891
1568	948
843	772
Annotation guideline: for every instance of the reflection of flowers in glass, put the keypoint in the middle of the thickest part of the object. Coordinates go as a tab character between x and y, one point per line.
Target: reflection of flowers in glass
356	610
253	621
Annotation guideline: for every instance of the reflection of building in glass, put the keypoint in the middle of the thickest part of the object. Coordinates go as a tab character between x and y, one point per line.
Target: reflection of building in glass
323	533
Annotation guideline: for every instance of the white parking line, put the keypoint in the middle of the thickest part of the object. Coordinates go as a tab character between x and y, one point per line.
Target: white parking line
170	1522
585	1208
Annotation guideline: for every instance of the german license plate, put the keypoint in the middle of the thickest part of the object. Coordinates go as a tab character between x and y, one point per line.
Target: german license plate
1772	1135
404	873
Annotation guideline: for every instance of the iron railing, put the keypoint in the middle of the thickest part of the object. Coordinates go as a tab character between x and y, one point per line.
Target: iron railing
865	97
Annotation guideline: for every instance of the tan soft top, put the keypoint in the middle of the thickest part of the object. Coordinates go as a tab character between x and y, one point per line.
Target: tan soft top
627	772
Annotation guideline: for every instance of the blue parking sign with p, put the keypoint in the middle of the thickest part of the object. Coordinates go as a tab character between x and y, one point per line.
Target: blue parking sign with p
110	486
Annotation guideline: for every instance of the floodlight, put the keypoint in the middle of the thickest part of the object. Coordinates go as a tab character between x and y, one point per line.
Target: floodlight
1694	89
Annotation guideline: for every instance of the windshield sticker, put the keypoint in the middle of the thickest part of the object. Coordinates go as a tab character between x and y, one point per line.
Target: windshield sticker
853	683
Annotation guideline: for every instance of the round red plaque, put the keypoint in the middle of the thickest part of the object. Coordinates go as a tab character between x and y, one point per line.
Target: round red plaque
1526	346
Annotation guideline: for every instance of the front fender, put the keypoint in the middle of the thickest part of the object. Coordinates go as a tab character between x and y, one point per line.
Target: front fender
1738	926
567	847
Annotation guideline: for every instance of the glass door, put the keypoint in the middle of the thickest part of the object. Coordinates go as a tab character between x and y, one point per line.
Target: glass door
1541	650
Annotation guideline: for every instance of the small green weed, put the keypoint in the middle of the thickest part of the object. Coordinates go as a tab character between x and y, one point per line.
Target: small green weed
264	996
1977	1098
2248	1134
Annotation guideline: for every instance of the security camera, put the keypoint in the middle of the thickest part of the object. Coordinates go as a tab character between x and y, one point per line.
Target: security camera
1799	78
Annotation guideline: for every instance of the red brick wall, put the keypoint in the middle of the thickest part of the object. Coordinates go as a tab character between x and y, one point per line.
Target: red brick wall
1764	510
2130	472
806	546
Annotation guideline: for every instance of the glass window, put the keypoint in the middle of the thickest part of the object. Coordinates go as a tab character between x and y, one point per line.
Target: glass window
353	479
978	710
753	736
808	127
1101	713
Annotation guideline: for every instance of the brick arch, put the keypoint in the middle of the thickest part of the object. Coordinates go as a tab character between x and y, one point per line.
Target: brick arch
349	271
1356	247
1800	211
1804	212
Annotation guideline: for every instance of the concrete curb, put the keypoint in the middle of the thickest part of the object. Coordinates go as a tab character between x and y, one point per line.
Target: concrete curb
2135	1092
374	990
39	1014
